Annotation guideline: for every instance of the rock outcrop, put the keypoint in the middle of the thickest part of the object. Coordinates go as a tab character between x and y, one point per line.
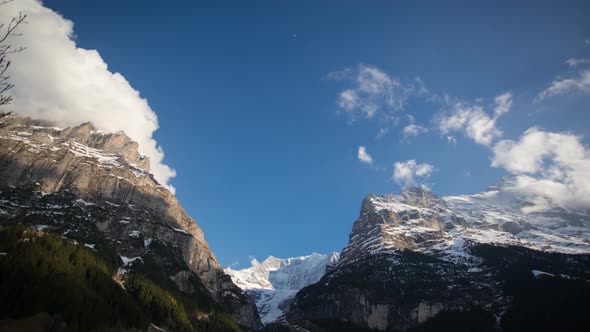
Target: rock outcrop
101	182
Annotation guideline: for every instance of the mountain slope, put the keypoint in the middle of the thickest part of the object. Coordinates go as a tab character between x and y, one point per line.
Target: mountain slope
95	187
417	259
274	282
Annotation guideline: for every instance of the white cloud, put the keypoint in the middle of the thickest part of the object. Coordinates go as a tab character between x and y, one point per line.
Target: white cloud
364	156
374	92
406	172
576	62
451	139
580	82
549	168
413	130
474	121
58	81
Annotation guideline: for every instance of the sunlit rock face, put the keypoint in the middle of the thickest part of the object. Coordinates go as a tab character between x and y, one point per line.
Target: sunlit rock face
416	256
96	186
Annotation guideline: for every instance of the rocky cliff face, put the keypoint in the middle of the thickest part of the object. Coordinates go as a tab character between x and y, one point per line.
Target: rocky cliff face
96	187
415	257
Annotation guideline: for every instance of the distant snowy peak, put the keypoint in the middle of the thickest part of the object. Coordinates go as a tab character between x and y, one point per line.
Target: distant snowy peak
257	276
420	221
274	282
283	274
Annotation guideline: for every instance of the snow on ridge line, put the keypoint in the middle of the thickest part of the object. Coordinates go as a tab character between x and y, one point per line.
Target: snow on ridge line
78	149
489	217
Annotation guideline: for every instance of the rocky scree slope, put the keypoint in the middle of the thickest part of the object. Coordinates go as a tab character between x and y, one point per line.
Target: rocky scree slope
95	187
416	260
274	282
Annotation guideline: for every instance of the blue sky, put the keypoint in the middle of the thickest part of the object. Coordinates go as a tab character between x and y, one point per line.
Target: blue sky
249	105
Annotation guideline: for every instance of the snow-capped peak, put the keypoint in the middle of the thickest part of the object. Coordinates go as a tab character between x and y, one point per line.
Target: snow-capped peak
274	281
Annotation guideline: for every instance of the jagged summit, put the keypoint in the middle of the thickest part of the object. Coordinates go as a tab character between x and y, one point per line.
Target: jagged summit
117	143
410	196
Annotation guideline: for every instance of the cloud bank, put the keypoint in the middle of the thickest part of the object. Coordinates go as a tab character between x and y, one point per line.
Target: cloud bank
550	168
56	80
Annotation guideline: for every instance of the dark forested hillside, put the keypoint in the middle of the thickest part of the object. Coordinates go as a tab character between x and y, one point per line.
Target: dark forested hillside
43	272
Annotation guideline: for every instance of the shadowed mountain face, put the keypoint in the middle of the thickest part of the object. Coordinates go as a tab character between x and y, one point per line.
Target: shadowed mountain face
95	187
420	262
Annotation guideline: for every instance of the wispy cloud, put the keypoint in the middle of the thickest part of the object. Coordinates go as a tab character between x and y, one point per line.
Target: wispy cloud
473	121
373	92
577	62
580	82
413	130
382	132
409	173
364	156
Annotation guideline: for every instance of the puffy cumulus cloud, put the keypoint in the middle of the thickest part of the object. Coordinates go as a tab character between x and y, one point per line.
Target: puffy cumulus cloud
578	83
364	156
473	121
373	92
413	130
56	80
406	172
549	168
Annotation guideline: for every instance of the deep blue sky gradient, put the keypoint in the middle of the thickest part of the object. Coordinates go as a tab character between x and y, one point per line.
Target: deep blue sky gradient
248	118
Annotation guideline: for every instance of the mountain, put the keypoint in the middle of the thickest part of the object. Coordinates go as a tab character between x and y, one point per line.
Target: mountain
420	262
275	281
419	221
95	188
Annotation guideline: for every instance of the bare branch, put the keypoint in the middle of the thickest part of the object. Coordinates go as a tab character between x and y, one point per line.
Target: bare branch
7	31
14	23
